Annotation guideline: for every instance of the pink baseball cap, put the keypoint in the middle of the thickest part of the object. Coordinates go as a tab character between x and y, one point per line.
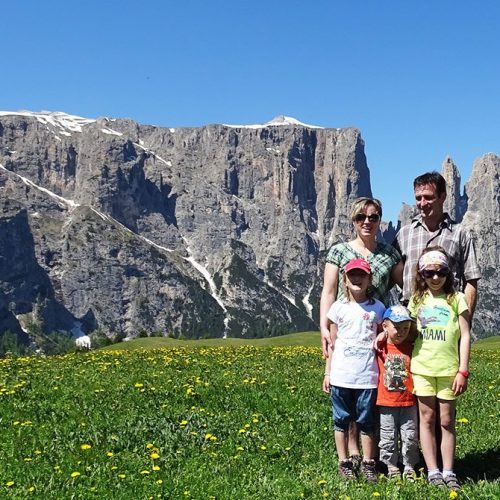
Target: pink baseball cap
358	264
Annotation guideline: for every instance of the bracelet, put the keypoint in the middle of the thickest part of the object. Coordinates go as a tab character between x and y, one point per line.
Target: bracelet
463	373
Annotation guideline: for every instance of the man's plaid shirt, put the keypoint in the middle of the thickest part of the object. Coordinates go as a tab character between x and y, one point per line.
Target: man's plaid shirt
458	243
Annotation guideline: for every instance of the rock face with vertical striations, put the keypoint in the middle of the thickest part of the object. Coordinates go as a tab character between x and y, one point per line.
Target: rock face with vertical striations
210	231
482	193
454	204
202	232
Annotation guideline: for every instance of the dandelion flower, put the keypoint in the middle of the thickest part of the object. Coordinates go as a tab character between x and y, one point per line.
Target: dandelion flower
159	481
75	474
463	420
453	494
9	484
156	467
154	455
122	476
109	454
85	446
138	385
149	446
321	481
145	472
375	494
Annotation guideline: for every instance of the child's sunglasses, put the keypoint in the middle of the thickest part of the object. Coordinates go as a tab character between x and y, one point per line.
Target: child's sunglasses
430	274
363	217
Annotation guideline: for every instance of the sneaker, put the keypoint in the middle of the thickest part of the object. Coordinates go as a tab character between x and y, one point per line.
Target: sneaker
409	475
436	480
451	482
393	472
346	470
369	471
356	462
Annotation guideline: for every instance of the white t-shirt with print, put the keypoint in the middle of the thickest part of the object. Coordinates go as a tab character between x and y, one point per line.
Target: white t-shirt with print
353	362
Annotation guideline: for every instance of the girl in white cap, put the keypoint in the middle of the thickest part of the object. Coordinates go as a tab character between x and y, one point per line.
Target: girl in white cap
440	359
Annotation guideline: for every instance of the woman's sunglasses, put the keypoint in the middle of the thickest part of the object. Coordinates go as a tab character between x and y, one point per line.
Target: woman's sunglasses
363	217
430	274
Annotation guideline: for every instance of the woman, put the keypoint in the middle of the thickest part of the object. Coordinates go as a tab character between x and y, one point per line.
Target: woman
385	263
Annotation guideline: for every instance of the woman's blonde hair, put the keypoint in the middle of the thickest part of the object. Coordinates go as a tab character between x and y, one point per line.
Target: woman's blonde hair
360	205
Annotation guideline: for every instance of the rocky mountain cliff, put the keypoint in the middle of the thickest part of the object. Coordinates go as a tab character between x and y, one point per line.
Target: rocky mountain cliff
482	217
205	232
211	231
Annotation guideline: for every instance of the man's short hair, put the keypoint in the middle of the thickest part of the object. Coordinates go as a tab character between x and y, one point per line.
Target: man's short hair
431	178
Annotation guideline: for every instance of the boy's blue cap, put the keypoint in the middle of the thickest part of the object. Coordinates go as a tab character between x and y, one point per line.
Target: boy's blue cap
397	314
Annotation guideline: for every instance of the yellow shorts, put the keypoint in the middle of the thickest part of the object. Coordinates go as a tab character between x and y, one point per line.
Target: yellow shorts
439	387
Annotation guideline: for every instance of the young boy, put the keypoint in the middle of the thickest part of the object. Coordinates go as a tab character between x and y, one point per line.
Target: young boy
395	399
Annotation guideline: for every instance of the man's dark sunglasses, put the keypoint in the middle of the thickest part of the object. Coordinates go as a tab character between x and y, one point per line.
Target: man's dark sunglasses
363	217
430	274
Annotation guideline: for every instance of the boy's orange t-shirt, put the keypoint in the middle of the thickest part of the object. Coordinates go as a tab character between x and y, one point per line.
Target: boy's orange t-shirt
395	383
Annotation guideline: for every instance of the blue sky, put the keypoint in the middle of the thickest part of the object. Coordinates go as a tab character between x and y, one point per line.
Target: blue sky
420	80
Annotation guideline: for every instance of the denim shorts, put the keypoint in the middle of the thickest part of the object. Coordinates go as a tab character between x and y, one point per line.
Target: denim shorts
357	405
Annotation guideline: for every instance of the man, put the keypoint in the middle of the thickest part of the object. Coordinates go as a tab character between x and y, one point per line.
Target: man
432	226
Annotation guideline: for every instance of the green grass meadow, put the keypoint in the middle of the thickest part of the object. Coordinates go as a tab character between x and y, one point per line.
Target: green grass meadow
212	419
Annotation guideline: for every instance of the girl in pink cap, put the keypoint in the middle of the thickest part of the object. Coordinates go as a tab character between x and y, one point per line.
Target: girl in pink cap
351	373
440	359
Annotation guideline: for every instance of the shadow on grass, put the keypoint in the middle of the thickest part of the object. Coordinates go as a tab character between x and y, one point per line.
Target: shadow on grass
477	466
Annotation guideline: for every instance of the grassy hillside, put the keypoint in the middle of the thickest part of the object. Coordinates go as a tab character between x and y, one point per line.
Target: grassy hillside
217	421
307	339
490	343
311	339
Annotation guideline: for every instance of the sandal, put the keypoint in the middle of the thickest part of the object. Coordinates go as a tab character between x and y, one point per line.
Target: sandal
436	480
369	471
346	470
451	482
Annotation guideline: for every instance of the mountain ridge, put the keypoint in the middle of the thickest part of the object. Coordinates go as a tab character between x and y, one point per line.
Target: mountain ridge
239	218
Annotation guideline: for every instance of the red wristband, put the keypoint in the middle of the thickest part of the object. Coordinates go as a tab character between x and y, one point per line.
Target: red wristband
464	373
